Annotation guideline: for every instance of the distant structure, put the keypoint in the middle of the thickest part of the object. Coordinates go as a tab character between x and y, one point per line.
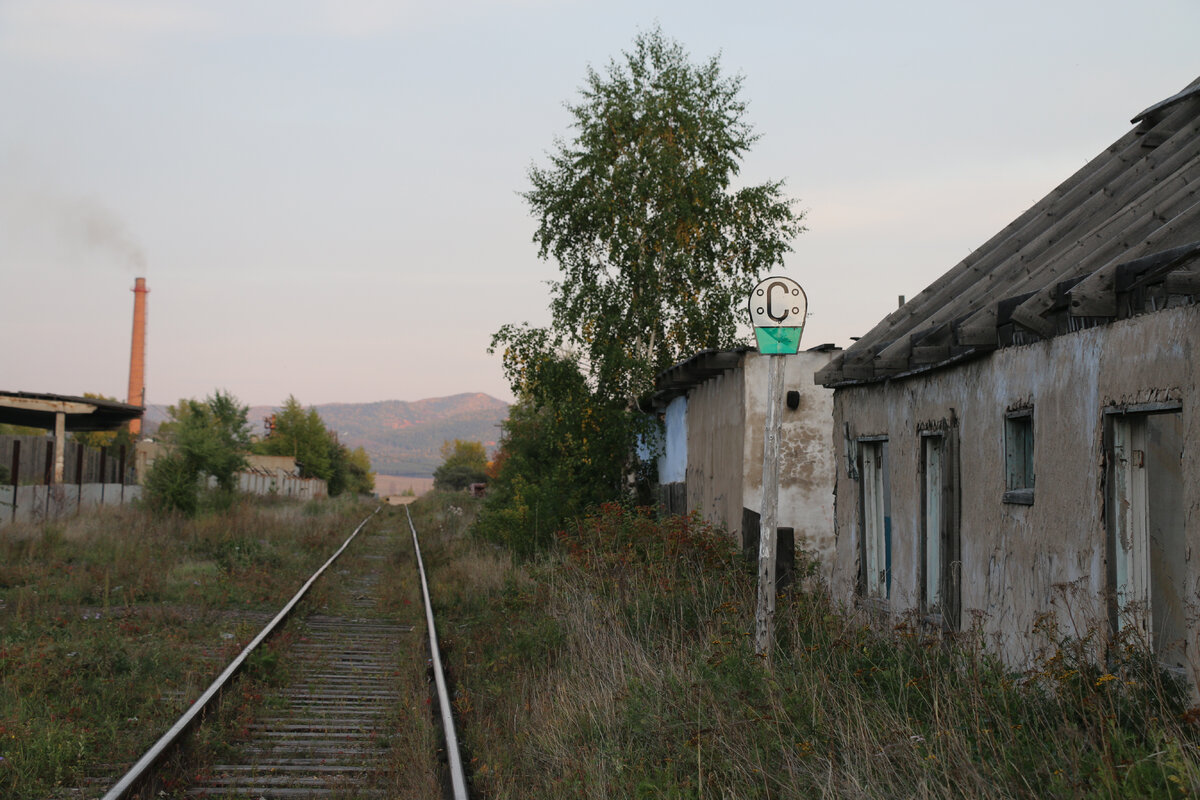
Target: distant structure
137	355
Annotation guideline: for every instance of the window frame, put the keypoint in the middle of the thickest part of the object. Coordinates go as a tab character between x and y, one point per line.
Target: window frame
1020	446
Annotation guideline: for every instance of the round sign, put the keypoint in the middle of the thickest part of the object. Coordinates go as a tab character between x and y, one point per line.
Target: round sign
778	303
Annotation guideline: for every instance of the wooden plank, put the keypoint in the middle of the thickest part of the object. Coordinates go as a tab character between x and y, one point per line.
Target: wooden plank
1095	226
1136	226
1124	172
979	329
1011	239
1096	296
930	354
1183	281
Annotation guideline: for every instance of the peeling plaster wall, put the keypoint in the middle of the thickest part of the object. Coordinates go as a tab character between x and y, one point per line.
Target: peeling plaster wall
806	454
1019	562
726	417
715	432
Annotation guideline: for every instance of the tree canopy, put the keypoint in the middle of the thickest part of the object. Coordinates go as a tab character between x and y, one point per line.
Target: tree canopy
463	463
206	438
656	244
657	247
301	434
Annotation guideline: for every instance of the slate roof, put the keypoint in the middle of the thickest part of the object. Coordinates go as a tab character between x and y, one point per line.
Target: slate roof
1118	238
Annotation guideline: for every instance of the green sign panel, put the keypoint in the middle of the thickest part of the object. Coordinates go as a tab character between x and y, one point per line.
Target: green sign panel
776	341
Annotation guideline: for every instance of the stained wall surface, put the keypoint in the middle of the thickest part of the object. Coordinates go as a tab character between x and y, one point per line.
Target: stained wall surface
726	420
806	456
1022	561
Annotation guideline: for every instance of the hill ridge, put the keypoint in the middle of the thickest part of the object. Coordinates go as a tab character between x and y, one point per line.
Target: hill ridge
402	437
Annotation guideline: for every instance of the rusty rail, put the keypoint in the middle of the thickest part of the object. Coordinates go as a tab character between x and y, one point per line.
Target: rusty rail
140	770
458	781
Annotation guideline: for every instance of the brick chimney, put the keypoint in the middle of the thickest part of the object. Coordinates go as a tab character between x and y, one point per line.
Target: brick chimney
137	355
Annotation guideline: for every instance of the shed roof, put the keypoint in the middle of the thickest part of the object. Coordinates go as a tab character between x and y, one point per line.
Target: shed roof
678	379
1119	237
82	413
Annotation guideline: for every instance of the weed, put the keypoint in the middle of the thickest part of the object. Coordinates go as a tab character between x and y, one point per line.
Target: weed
621	665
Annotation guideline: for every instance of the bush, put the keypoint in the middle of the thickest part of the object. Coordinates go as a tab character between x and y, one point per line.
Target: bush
173	485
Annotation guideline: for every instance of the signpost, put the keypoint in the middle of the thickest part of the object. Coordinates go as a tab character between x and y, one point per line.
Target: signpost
778	308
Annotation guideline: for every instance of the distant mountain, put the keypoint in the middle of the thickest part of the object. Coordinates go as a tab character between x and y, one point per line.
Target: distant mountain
402	438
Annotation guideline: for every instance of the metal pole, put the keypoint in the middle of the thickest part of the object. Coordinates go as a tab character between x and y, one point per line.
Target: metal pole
764	619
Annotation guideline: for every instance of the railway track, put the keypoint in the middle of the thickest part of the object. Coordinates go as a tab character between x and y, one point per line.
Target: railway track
327	732
331	731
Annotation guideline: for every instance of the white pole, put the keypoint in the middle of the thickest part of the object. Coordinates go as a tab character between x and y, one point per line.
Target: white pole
764	618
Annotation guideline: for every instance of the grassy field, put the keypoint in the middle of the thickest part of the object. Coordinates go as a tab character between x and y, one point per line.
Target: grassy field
621	665
112	623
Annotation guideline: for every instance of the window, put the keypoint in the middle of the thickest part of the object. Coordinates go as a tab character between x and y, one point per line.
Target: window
875	558
1018	457
1147	538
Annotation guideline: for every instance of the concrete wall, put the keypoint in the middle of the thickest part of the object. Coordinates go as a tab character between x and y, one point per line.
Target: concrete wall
1023	561
806	455
38	503
726	420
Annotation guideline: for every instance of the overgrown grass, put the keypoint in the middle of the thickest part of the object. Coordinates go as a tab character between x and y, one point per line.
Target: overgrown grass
622	665
111	623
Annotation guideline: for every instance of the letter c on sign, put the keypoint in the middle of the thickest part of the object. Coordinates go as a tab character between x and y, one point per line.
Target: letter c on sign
771	300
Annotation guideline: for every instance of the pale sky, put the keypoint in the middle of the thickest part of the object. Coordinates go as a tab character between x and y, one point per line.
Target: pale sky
323	194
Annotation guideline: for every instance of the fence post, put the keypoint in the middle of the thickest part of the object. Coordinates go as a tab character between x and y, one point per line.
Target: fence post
79	477
16	475
47	478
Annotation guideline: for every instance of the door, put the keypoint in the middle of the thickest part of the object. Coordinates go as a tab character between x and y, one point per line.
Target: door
1147	540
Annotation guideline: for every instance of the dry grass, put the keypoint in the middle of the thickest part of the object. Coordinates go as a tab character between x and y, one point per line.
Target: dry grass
112	622
622	665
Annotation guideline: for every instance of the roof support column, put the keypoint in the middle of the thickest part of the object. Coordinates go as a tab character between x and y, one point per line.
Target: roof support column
60	444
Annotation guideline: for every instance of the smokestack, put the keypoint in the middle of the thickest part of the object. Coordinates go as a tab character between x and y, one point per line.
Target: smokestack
137	354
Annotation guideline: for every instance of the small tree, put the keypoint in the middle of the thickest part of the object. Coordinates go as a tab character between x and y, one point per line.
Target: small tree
463	463
301	434
359	477
204	439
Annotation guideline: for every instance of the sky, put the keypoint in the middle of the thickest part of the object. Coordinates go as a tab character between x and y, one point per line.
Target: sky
324	195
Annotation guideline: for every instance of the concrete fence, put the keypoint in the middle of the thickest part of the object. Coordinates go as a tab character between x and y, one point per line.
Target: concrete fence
41	503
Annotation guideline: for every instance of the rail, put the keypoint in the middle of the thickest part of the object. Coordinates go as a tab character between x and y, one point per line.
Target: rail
139	771
458	781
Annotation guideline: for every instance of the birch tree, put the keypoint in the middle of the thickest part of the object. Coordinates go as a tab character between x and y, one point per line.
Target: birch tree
656	242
